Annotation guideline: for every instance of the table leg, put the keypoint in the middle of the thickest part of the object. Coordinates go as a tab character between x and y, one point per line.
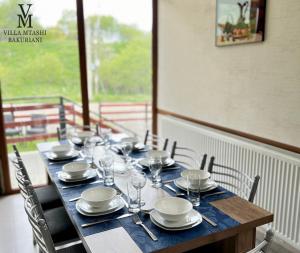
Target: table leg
246	240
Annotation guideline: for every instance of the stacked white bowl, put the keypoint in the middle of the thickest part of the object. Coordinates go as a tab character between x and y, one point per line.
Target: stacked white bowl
156	154
99	196
172	208
76	169
61	150
196	177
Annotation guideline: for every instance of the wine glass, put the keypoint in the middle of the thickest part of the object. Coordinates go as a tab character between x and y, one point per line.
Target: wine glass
105	134
155	166
138	181
126	148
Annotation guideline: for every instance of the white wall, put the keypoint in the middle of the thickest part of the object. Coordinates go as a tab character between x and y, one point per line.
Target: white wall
252	88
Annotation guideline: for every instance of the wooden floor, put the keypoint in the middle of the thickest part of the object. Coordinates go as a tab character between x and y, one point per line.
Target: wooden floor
15	231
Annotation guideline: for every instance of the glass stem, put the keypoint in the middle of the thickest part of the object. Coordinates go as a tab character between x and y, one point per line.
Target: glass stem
140	197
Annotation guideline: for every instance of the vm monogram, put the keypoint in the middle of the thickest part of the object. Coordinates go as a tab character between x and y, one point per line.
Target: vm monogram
25	17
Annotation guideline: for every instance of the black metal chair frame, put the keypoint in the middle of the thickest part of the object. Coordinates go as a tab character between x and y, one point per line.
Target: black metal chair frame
155	142
188	157
248	186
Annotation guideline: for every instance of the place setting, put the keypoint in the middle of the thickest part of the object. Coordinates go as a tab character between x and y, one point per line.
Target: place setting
128	145
99	201
166	161
174	214
195	180
76	172
62	152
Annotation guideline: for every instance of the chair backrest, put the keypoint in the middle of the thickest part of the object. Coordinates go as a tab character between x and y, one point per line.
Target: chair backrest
20	172
188	157
264	246
38	117
241	182
155	142
19	164
37	221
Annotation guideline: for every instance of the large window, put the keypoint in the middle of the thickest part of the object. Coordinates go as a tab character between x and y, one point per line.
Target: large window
31	71
118	42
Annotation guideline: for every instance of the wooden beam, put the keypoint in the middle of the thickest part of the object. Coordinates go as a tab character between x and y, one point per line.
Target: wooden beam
83	64
232	131
154	64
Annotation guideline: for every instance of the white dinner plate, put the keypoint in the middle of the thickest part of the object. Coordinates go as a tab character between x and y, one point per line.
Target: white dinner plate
65	177
145	162
70	155
182	184
193	219
85	209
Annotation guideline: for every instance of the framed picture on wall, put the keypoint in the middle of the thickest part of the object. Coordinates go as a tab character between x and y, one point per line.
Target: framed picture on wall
240	22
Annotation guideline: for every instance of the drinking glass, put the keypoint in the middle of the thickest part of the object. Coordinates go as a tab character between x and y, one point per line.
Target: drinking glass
106	163
193	189
132	198
126	150
155	166
88	150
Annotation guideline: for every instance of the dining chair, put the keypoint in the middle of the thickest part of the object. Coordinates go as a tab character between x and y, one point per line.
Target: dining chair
9	118
47	195
264	246
188	157
37	127
42	227
240	181
155	142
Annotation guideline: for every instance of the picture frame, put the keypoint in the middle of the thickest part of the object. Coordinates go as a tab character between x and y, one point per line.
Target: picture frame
240	22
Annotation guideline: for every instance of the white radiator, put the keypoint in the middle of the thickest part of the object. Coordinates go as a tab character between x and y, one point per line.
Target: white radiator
279	187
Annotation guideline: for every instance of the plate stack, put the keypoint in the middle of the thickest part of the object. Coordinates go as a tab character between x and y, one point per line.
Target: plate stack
76	171
175	214
99	201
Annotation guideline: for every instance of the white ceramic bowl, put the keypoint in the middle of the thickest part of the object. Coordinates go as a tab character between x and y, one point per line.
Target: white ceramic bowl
76	169
172	208
99	196
84	134
196	177
61	150
164	155
132	140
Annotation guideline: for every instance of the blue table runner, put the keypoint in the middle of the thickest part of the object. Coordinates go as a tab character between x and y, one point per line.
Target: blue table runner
166	238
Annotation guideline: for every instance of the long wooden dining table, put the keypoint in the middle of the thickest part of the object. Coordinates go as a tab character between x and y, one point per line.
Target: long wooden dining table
236	219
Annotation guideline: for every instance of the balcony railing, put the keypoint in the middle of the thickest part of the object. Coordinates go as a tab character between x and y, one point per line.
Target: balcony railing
57	111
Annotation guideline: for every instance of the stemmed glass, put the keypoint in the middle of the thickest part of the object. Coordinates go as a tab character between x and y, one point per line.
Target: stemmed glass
126	148
155	166
105	134
138	181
